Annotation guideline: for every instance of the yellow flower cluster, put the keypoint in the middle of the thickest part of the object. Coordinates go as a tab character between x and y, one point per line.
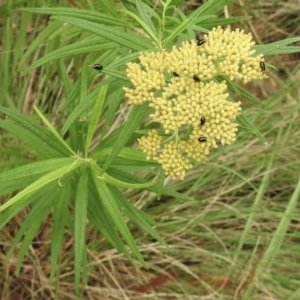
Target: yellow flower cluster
151	144
183	88
233	54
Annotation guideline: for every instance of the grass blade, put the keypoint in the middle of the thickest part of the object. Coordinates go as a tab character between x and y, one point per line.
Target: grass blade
281	230
250	128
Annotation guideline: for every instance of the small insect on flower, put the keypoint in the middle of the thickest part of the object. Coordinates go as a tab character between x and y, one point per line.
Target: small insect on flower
97	67
196	78
175	74
202	139
200	42
262	66
202	121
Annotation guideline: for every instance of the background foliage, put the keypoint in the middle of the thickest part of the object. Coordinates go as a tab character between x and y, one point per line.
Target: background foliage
232	225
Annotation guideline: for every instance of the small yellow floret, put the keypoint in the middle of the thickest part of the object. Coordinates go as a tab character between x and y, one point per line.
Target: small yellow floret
173	162
150	144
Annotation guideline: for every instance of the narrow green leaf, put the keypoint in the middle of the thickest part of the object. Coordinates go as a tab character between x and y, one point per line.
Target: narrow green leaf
214	22
182	18
127	153
183	25
211	7
56	134
36	129
110	6
59	220
112	207
136	117
9	186
81	204
37	208
138	162
114	101
28	238
49	177
65	77
29	172
109	69
122	60
144	25
95	45
106	57
128	177
84	106
79	13
97	110
14	209
238	89
5	68
33	141
83	85
115	74
208	9
144	11
135	215
256	206
51	30
30	227
99	217
281	231
129	40
113	181
247	126
160	182
20	39
127	165
276	47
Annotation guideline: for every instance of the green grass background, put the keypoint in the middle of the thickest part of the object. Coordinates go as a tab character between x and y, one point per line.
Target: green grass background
236	235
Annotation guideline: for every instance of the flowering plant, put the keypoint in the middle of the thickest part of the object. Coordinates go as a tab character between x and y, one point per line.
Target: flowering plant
184	90
82	168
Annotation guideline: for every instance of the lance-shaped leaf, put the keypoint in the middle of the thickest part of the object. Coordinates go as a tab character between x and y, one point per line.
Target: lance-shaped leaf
81	204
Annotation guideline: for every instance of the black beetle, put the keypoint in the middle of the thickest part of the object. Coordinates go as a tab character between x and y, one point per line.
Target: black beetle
97	67
196	78
200	42
202	121
202	139
262	66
